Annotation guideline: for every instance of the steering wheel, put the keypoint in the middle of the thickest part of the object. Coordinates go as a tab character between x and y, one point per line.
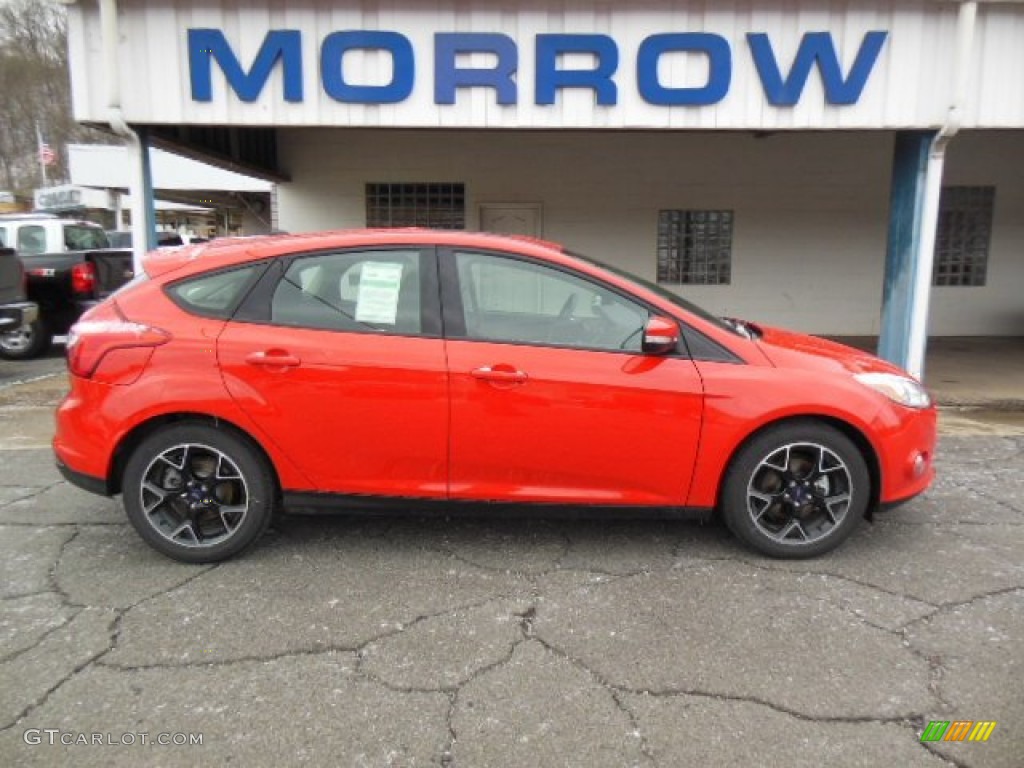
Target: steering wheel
566	311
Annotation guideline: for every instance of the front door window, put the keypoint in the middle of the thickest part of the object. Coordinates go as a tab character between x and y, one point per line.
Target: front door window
508	300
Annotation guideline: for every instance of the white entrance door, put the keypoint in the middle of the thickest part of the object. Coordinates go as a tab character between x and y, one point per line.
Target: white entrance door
511	218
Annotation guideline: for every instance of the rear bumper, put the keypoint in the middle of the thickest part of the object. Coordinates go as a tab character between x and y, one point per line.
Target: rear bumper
81	480
15	315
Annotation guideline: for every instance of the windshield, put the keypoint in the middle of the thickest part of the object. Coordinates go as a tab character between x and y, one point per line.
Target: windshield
663	292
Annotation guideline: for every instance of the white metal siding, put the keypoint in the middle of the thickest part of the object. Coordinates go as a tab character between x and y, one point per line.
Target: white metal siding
810	222
909	86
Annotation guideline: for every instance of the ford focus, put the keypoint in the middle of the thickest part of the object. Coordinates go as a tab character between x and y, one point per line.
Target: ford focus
422	370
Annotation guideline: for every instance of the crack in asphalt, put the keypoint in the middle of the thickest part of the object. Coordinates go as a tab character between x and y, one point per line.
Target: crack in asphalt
23	595
645	746
972	488
936	671
965	523
41	700
951	606
42	638
52	574
822	572
95	524
447	757
947	759
676	692
357	649
36	491
113	628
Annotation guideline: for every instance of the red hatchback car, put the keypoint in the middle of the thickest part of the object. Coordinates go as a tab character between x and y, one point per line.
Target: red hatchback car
432	369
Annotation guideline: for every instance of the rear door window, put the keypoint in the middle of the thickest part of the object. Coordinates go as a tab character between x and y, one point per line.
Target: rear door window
357	291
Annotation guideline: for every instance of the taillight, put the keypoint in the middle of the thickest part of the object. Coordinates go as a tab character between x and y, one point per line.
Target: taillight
83	278
107	346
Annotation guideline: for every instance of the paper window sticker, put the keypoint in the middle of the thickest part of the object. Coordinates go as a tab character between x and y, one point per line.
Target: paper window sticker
379	285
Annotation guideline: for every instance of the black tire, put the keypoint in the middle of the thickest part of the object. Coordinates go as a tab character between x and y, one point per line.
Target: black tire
197	493
27	342
780	505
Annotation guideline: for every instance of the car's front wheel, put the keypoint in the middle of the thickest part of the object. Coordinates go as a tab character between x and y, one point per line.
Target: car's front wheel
197	493
796	490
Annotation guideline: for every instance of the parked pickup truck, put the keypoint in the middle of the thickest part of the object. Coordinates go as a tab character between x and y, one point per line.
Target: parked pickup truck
69	268
15	311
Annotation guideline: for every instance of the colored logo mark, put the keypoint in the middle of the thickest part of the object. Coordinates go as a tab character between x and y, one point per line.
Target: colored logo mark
958	730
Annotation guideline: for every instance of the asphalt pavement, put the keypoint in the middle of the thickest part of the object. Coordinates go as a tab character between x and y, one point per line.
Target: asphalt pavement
423	642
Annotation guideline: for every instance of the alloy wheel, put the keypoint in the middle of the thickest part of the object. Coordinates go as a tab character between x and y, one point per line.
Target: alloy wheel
800	493
194	495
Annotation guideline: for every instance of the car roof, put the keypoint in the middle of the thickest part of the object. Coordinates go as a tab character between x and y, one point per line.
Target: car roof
224	252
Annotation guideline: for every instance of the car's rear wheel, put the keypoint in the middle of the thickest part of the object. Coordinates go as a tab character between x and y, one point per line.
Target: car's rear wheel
197	493
796	490
28	341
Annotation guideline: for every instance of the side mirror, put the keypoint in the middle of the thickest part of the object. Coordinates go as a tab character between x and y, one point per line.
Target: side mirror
661	336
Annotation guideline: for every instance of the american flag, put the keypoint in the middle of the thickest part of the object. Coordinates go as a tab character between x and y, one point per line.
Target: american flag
46	155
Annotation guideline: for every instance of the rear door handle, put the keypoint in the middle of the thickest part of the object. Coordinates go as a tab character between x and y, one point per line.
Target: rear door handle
273	358
503	374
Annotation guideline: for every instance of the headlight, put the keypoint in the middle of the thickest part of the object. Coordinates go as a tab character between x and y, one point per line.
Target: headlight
899	389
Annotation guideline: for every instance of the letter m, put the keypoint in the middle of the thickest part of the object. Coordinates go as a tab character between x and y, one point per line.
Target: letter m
935	731
816	48
284	45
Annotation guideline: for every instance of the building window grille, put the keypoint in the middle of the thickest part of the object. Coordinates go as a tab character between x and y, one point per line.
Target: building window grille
963	235
695	247
434	205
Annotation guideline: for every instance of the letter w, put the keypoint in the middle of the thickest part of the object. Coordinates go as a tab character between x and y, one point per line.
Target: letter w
815	48
284	45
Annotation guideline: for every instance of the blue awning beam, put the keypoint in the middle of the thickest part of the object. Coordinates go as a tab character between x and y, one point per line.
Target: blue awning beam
918	163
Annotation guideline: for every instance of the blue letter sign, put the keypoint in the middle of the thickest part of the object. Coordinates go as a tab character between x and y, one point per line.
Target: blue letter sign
815	47
448	77
817	50
332	73
550	78
284	45
715	47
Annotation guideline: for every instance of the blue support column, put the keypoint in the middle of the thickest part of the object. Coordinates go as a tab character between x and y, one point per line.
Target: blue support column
149	199
903	254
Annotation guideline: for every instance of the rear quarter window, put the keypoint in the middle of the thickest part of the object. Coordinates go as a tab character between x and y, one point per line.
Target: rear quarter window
217	294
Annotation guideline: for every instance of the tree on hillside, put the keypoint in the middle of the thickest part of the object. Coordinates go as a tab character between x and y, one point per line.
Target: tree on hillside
36	92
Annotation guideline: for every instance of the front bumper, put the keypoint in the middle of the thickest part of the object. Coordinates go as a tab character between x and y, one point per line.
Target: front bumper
13	316
907	455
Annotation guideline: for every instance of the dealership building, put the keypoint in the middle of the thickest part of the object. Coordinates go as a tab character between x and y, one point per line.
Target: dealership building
846	168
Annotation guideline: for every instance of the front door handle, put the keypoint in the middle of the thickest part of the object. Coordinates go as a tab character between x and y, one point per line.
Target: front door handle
273	358
504	374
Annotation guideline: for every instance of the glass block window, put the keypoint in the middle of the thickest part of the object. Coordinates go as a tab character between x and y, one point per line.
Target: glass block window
963	235
434	205
695	247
